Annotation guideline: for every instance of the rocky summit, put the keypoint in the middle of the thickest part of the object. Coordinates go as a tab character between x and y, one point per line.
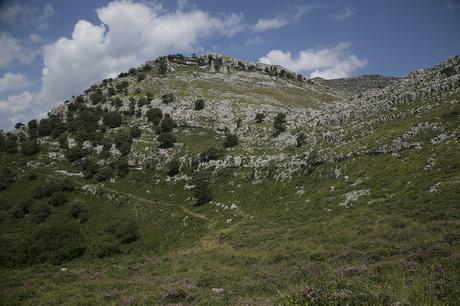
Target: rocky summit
207	180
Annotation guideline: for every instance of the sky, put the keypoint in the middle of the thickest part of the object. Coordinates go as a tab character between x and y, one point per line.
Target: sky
52	50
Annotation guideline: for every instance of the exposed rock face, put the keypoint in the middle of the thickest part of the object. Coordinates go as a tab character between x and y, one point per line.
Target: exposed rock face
353	86
235	91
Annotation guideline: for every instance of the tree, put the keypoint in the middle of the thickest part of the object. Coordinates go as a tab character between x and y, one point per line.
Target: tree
202	191
173	167
279	124
123	142
89	168
112	119
140	77
260	117
154	115
32	126
19	125
199	104
167	140
7	177
167	124
103	174
30	147
230	140
75	153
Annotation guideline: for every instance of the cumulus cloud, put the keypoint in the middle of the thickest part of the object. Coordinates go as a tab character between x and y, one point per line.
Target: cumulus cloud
283	19
328	63
26	14
13	81
129	34
344	14
12	51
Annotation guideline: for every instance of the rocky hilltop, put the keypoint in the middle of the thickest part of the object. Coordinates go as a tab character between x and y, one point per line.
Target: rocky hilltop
209	180
353	86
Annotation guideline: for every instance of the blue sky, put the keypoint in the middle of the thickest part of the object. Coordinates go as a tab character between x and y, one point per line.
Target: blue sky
51	50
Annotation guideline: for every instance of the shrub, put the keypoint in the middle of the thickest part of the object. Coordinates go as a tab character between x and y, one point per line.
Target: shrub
199	104
89	168
112	119
211	154
47	189
56	244
7	177
103	174
140	77
75	153
77	211
30	148
167	140
279	123
135	132
117	102
104	246
14	251
39	212
125	231
173	167
19	125
121	166
32	126
154	115
123	142
167	98
301	137
260	117
9	144
21	209
58	198
202	191
167	124
230	140
96	97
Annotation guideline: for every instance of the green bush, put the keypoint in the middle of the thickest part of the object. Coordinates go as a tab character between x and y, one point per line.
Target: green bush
56	244
173	167
301	137
199	104
279	123
121	167
211	154
230	140
167	140
75	153
89	168
39	212
14	251
154	116
202	191
21	209
58	198
30	148
103	174
135	132
167	124
96	97
125	231
123	142
7	177
47	189
112	119
260	117
78	211
104	246
140	77
167	98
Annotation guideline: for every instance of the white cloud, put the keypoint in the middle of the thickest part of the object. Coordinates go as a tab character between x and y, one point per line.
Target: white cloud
128	35
254	41
283	19
12	50
13	81
13	109
332	63
26	14
344	14
36	39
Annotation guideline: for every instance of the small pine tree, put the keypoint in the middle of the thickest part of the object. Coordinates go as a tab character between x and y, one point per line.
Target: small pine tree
279	124
167	140
154	116
230	140
260	117
202	191
199	104
173	167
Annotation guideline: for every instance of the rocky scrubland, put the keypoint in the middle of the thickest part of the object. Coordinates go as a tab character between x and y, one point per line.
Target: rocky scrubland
213	181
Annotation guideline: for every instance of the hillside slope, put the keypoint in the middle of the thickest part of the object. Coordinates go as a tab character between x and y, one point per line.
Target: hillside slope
212	181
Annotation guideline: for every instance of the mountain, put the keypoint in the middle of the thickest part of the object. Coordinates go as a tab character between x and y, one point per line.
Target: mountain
207	180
